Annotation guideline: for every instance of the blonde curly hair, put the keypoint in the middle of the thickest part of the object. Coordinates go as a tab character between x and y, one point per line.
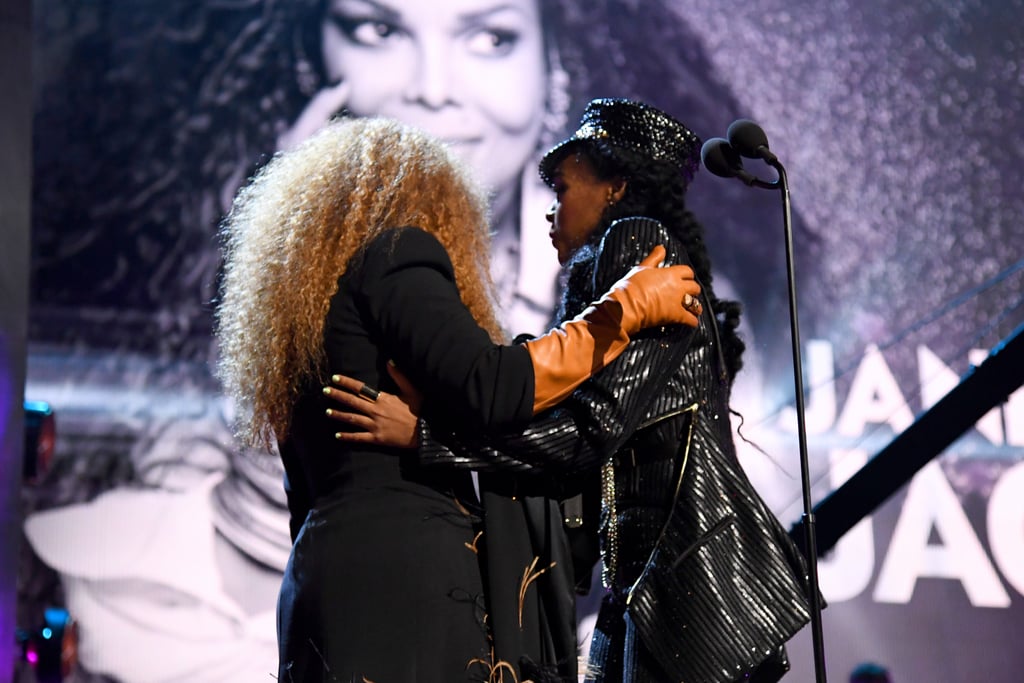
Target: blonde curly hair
293	229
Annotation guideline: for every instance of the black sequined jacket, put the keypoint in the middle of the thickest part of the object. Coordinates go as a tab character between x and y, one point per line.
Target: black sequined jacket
711	580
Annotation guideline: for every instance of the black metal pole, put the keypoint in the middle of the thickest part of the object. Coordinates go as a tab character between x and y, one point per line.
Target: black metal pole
805	474
722	157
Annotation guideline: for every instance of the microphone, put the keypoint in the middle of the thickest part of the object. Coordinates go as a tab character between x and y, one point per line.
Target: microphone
721	158
750	140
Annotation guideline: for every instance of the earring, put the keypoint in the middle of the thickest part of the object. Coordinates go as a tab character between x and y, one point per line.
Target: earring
556	114
306	77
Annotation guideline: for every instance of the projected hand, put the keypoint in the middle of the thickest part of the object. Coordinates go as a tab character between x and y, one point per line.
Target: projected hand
320	109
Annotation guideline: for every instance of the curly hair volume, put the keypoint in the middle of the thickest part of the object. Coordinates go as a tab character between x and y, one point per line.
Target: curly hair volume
294	228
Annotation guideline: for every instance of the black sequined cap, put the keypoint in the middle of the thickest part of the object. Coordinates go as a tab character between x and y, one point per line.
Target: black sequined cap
626	124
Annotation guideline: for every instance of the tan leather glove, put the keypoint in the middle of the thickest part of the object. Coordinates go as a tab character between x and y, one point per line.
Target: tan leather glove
648	296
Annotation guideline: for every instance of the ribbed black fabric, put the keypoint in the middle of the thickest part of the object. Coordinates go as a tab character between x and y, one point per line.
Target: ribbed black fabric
712	583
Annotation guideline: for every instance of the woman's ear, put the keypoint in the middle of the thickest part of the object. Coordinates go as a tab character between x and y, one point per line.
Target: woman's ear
617	190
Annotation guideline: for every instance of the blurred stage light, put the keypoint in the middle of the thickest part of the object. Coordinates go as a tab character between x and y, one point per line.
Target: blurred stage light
51	650
40	435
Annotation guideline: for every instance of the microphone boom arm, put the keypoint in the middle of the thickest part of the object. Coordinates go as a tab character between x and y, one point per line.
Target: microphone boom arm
722	157
810	535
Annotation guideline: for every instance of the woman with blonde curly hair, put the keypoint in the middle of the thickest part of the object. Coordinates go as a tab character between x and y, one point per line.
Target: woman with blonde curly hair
703	582
366	245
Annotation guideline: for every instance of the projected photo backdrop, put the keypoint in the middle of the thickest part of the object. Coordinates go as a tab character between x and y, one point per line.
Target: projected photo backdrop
901	127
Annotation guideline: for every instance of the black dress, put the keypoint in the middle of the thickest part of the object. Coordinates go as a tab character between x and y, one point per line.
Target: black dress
383	583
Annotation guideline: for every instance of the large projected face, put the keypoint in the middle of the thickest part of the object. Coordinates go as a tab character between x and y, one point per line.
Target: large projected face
471	72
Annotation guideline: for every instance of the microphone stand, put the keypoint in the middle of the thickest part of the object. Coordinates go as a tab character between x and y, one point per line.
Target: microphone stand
721	157
805	475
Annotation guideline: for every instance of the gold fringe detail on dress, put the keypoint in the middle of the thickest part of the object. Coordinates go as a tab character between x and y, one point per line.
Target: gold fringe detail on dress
472	546
496	670
529	576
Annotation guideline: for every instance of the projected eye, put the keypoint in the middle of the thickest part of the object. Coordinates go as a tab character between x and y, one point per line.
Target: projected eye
492	42
365	31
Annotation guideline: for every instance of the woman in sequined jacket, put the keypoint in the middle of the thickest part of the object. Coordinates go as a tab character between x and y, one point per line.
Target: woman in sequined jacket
704	583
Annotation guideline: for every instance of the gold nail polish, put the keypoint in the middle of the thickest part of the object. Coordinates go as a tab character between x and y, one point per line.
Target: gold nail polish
327	391
329	412
336	378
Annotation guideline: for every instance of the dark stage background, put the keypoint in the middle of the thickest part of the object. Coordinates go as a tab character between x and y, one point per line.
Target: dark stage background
902	129
15	169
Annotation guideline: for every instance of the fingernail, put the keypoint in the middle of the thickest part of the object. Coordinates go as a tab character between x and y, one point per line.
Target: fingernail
392	363
335	378
329	412
337	435
327	390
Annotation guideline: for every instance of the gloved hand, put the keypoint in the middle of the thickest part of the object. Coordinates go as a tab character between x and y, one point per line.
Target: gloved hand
648	296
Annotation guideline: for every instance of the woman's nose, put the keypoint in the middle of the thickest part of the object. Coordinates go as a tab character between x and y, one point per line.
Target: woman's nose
432	79
550	215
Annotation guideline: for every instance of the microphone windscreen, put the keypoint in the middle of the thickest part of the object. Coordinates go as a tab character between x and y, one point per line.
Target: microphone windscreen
747	138
720	158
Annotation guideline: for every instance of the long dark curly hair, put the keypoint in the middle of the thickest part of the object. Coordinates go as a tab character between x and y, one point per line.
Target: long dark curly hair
655	190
